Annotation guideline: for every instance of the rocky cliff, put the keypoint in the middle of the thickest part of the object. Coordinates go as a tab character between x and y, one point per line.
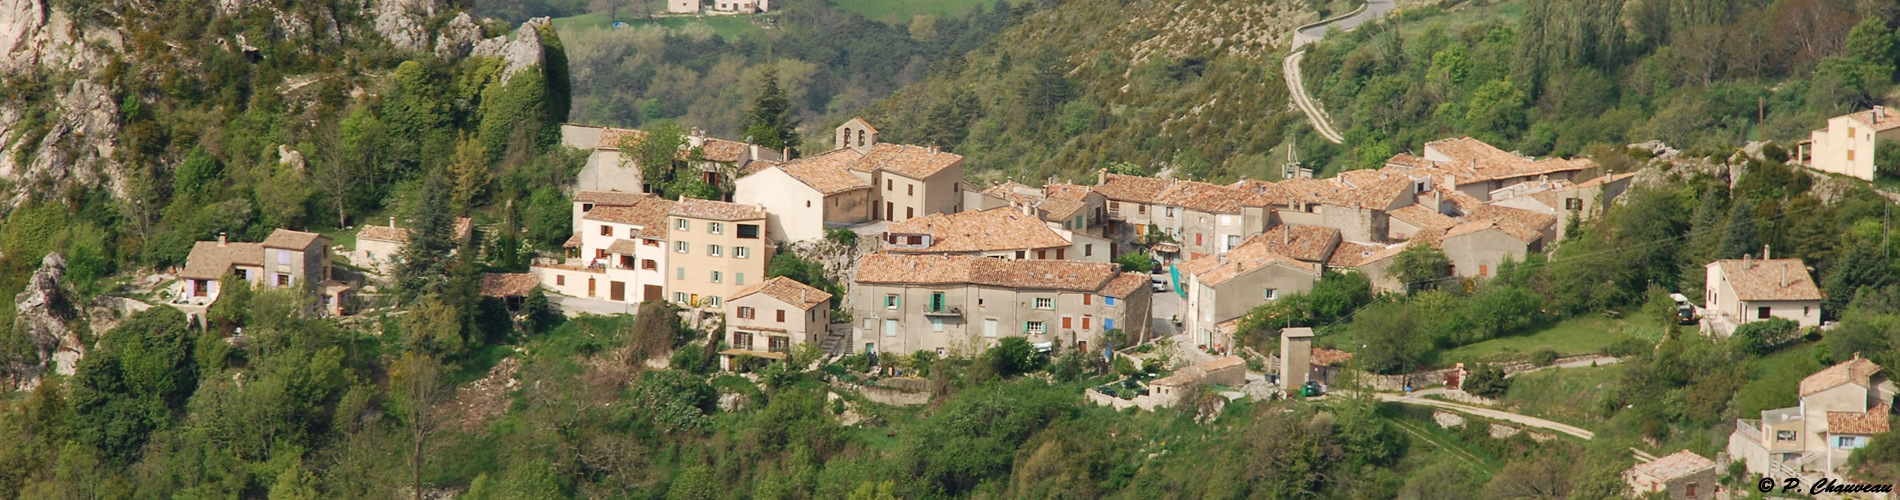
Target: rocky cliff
44	328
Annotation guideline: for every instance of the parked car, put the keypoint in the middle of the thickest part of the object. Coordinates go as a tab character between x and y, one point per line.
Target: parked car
1159	282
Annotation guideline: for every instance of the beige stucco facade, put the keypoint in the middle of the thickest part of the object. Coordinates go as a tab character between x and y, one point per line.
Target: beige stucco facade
1847	145
1477	254
1209	305
1721	299
710	261
760	323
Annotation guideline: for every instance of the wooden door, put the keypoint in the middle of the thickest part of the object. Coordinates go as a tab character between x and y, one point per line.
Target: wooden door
590	287
617	291
652	292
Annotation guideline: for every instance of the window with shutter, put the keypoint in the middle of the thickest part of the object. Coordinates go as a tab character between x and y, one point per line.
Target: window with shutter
781	315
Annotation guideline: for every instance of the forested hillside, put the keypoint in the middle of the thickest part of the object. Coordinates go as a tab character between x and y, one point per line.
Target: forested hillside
1192	85
831	63
1555	77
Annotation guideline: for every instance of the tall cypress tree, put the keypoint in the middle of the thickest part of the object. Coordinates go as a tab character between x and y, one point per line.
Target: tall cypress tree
769	124
424	263
1741	238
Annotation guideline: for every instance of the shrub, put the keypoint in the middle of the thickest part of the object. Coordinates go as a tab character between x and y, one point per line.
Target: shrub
1543	357
1486	381
842	236
1760	337
1014	356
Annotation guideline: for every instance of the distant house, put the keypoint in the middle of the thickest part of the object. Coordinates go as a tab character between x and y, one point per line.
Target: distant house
1222	287
1073	207
1475	168
908	303
1740	291
682	6
719	159
1583	201
1203	219
511	288
1003	232
1229	371
286	259
773	316
1492	234
805	195
1681	475
718	250
1848	143
1841	407
379	247
619	251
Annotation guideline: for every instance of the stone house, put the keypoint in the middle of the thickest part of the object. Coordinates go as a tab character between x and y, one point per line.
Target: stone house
771	317
619	251
1841	407
1581	201
1492	234
1739	291
1475	168
1372	260
718	249
379	247
1357	203
1003	232
906	181
286	259
1073	207
1223	287
1848	144
1682	475
1227	371
964	304
805	196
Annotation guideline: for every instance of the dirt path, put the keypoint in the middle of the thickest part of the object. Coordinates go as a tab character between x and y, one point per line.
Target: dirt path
1527	420
1290	67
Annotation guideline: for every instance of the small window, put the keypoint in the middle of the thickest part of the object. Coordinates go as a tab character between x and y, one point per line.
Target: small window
781	315
715	228
1062	253
989	327
681	225
284	280
560	280
1107	300
715	250
587	207
746	312
606	230
1272	294
1034	328
1762	312
890	185
1086	299
679	297
1042	255
1141	209
1085	322
742	252
910	189
681	246
891	301
1019	254
910	212
712	301
749	231
600	253
1067	323
680	273
738	278
718	277
1088	249
1108	323
1045	303
890	327
649	265
1484	269
936	324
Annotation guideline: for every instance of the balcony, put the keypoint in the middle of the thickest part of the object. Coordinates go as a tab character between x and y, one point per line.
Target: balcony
1750	429
944	312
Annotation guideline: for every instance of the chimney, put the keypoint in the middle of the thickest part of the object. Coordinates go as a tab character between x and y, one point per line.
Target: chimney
1286	235
1222	258
786	154
755	152
1438	201
1745	262
220	238
1784	276
1764	253
1101	176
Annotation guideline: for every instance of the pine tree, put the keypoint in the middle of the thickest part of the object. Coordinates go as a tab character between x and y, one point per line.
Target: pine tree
769	124
1859	268
1704	227
1741	238
423	267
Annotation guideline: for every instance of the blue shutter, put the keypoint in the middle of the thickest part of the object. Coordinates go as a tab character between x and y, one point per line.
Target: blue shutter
1108	323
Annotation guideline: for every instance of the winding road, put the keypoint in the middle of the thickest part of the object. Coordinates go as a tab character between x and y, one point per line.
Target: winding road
1290	67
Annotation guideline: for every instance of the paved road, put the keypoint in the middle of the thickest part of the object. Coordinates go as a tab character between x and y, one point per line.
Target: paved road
1290	67
1527	420
575	306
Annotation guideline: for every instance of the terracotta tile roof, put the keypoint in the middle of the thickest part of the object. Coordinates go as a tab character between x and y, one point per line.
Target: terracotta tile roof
1303	242
1375	189
1887	122
1393	250
862	123
1463	202
1606	179
649	215
285	238
1246	258
623	247
996	229
1125	285
383	233
1422	217
1675	465
1067	191
789	291
1352	254
916	162
1203	197
1067	275
723	151
1015	192
829	173
509	284
573	241
1774	279
1316	191
1525	225
1055	210
1467	160
715	210
1874	421
755	166
610	137
1858	371
1262	193
209	260
1132	188
1330	357
610	198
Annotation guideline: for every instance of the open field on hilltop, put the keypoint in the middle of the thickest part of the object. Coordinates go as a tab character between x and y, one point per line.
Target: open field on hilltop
1571	337
901	11
724	26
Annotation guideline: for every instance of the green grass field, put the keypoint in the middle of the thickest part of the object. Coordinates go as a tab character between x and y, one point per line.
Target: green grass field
1571	337
726	26
1563	395
901	11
